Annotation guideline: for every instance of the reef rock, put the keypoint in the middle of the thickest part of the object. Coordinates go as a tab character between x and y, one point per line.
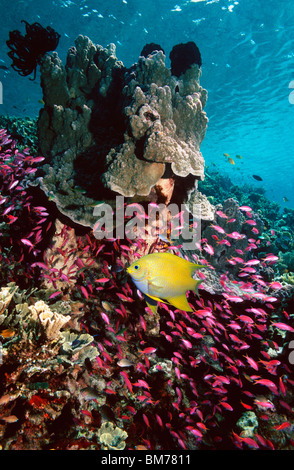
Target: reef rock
108	130
199	206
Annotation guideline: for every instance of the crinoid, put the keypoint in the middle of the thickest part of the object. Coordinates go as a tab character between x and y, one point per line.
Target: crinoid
27	51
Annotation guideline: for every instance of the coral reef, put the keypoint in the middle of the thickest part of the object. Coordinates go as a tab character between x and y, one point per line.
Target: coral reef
85	364
116	378
105	129
199	206
288	278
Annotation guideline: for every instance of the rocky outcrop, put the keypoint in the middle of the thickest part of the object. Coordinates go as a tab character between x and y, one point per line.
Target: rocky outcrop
108	130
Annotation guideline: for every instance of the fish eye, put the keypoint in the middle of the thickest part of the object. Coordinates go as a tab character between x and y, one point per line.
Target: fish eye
136	266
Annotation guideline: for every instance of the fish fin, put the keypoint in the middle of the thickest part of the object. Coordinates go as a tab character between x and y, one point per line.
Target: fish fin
180	302
197	282
156	286
193	267
151	303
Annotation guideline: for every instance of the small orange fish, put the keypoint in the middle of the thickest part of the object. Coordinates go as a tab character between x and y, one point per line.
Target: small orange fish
231	161
4	399
7	333
9	419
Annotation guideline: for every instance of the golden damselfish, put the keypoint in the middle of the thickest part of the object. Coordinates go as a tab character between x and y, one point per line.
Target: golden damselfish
164	277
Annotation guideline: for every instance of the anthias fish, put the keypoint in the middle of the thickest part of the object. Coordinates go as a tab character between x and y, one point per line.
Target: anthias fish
164	277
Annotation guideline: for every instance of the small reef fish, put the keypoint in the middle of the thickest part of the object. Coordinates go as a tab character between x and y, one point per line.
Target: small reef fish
226	155
256	177
89	393
285	199
9	419
125	363
239	156
7	333
164	277
231	161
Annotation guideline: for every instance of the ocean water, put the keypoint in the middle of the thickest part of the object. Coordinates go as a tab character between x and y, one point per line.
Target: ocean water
248	63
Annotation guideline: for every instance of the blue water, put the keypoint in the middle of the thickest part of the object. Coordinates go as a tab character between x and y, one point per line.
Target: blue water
247	50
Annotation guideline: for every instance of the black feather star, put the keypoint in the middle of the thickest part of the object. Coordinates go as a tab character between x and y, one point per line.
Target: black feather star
27	51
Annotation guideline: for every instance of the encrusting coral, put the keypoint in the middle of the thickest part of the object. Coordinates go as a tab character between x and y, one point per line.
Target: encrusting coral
112	437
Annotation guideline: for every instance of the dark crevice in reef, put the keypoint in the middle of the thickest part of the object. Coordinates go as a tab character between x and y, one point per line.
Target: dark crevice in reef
107	126
89	167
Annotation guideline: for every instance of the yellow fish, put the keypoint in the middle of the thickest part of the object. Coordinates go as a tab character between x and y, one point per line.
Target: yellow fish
164	277
226	155
238	156
231	161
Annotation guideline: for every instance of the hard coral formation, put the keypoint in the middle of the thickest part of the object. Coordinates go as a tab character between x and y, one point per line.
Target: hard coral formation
77	347
199	206
112	437
106	127
51	322
248	423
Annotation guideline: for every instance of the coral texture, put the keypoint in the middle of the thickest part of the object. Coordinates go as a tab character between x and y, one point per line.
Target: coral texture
51	322
111	437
